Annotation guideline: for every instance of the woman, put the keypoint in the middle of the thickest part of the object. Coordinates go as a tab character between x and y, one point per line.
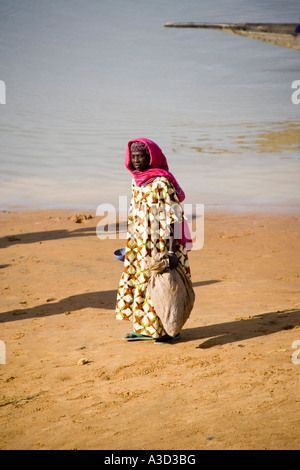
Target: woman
155	225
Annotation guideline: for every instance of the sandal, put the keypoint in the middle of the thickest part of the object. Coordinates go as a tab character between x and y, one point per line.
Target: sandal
166	339
136	337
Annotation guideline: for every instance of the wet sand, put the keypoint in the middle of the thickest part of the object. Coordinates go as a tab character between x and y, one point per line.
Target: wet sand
71	382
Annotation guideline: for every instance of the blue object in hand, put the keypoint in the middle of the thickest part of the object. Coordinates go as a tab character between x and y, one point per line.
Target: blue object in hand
120	254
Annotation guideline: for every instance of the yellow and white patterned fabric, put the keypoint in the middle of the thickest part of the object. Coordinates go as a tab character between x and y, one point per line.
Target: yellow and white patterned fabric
154	207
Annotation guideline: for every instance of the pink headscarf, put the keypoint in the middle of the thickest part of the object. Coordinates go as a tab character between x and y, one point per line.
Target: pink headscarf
158	167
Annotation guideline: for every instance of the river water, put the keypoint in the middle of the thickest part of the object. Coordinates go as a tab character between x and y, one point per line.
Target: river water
84	77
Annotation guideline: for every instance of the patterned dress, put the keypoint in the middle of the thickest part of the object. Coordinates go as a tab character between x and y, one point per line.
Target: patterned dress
154	207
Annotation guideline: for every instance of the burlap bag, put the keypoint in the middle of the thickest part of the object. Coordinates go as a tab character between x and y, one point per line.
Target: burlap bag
171	292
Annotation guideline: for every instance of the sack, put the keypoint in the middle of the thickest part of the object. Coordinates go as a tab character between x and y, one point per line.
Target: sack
171	292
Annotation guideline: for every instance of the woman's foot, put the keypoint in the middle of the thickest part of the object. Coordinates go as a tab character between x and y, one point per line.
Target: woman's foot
166	339
136	337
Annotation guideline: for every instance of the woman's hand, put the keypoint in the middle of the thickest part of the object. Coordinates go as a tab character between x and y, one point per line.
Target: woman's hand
173	261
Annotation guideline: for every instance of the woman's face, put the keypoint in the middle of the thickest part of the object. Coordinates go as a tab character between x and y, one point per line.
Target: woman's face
140	160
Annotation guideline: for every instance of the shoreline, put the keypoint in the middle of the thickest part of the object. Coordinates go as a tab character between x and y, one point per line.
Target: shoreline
234	209
71	382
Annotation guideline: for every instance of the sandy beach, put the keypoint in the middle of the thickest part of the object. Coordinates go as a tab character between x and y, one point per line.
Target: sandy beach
71	382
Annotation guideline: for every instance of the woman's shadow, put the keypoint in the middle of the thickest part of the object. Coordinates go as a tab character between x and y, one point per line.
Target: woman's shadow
97	300
243	329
